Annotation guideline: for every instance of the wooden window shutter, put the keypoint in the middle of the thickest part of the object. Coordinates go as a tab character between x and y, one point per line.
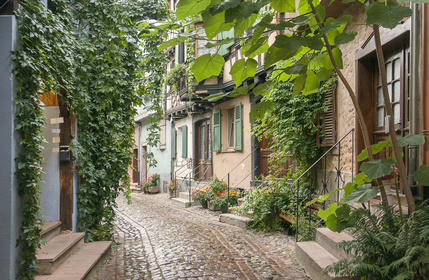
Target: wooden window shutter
173	143
238	126
329	124
224	49
217	142
184	141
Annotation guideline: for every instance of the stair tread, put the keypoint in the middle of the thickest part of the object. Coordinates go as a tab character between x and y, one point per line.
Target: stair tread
48	226
319	254
80	264
335	236
54	248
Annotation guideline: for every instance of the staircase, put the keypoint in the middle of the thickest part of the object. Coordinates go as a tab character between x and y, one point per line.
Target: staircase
66	256
314	256
183	200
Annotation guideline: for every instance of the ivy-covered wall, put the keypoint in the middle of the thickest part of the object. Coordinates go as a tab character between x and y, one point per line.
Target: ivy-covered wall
10	206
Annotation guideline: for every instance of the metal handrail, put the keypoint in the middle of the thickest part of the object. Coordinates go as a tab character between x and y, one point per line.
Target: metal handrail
299	202
239	164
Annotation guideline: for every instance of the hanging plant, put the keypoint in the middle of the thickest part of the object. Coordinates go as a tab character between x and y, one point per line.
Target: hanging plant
173	77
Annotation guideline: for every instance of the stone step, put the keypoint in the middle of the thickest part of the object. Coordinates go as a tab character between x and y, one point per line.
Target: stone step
314	259
235	220
83	263
56	251
183	202
50	230
184	195
329	241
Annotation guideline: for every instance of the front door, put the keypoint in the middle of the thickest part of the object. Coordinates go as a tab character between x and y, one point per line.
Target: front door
397	75
268	165
204	152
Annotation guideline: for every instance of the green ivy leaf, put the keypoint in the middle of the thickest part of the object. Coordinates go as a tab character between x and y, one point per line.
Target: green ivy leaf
207	65
187	8
283	6
377	168
362	194
171	42
412	139
258	111
344	38
243	69
422	175
386	15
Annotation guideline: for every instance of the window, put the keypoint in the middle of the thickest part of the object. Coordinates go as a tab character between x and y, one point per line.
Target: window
231	131
200	45
184	141
162	134
217	145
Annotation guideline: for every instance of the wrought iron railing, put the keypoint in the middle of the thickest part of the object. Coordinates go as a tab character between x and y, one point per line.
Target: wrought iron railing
316	221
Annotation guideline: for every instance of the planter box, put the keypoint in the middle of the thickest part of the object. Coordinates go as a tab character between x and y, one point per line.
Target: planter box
212	208
153	189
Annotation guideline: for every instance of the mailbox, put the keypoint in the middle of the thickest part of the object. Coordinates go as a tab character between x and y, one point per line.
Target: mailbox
64	153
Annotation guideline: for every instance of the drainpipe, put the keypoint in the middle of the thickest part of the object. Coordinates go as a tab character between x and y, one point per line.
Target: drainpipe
414	95
426	91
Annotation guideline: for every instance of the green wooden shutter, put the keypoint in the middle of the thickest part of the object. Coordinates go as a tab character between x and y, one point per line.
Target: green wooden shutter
224	49
217	142
238	126
173	143
184	141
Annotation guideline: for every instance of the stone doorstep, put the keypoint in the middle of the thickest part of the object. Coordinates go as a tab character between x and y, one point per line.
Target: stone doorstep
183	202
184	195
314	258
57	250
50	230
83	263
329	241
235	220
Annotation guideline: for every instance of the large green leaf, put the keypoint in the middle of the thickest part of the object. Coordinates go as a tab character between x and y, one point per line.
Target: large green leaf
276	54
243	69
412	139
172	42
332	23
422	175
223	6
386	15
311	83
344	38
375	148
243	10
338	57
258	111
324	214
263	89
293	43
253	49
299	84
212	23
239	91
377	168
207	65
283	6
362	194
187	8
242	25
296	69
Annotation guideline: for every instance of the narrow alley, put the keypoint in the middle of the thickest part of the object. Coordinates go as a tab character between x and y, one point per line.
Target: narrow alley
158	240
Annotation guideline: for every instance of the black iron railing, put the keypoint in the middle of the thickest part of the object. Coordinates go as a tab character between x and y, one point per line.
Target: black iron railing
312	218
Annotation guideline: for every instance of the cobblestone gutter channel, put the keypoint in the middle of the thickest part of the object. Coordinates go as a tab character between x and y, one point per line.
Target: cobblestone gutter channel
157	240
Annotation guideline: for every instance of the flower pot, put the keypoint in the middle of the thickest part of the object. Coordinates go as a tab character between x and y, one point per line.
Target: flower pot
211	207
204	204
153	189
174	194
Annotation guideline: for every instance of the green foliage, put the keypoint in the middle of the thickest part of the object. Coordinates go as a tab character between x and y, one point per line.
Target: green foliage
387	246
387	14
43	63
173	77
207	65
267	202
110	84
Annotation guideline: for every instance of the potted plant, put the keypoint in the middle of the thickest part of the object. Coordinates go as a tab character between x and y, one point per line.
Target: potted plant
153	183
173	187
201	195
173	77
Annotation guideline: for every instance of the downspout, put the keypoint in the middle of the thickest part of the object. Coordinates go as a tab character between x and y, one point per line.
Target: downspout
414	95
426	91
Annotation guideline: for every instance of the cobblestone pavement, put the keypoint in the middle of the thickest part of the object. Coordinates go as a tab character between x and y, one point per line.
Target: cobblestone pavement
158	240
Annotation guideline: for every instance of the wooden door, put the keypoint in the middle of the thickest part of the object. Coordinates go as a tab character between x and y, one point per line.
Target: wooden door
204	152
135	175
267	165
144	163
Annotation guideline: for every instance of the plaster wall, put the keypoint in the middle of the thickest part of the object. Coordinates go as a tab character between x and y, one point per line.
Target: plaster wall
226	160
10	203
50	196
181	164
162	156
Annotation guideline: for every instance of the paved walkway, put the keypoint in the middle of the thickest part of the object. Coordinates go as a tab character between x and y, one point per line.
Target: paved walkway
158	240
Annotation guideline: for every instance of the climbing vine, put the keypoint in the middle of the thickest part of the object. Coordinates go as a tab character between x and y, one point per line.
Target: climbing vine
45	40
110	84
102	73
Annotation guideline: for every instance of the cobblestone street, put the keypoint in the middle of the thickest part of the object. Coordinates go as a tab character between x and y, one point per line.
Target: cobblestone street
158	240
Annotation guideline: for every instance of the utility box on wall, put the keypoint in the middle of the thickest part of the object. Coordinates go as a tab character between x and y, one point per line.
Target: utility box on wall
64	153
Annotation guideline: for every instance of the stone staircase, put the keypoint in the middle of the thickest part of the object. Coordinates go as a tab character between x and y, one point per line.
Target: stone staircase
65	256
183	200
314	256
